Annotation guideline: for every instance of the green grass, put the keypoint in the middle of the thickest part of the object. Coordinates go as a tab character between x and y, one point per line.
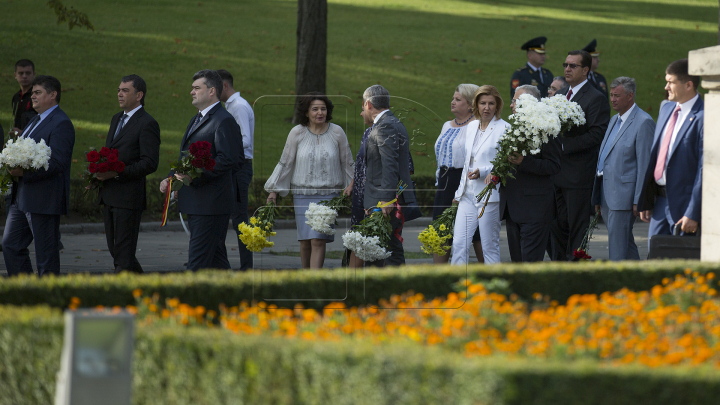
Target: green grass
419	49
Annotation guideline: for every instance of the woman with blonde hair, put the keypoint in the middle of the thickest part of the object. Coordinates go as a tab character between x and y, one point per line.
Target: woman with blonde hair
481	142
450	155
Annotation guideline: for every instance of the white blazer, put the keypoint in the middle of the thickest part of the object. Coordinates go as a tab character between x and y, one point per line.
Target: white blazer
484	152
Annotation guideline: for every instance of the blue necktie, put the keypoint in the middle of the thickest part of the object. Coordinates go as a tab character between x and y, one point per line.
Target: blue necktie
608	144
31	126
120	125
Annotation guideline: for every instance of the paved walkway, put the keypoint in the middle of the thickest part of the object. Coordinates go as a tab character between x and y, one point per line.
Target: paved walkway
165	249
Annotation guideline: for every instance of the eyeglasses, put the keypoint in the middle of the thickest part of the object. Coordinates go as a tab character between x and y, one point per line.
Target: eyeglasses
571	65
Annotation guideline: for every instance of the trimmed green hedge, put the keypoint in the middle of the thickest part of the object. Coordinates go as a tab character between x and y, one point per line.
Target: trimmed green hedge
316	288
197	366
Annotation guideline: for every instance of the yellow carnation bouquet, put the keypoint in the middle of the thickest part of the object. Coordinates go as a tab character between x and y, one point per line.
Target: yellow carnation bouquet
435	237
255	235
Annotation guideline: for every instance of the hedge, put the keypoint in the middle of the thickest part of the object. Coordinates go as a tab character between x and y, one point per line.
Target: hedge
182	366
315	288
85	204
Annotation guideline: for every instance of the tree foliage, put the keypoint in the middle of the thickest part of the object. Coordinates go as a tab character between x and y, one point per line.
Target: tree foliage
71	16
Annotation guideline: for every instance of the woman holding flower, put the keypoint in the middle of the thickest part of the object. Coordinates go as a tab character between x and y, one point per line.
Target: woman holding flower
450	155
481	143
316	164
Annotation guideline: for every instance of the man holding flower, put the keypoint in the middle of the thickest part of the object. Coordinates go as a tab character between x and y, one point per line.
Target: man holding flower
40	196
208	199
134	139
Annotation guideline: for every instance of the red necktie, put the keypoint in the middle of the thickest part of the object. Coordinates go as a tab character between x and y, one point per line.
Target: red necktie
569	94
660	165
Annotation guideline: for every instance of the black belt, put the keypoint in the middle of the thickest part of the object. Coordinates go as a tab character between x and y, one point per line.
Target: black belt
447	169
661	191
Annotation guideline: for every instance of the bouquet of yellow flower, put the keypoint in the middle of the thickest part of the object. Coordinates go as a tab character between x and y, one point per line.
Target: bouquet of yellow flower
255	235
434	238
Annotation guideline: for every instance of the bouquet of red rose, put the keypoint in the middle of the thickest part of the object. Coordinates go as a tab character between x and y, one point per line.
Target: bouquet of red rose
101	162
195	161
581	253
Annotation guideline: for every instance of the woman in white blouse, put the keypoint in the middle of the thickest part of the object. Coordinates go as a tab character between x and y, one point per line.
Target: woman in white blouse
450	154
316	164
481	142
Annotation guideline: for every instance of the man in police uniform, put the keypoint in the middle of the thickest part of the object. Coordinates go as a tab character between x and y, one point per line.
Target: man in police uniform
533	73
596	79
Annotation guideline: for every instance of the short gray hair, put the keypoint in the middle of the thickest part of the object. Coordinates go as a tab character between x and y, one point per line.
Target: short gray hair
628	83
378	96
529	89
467	91
561	78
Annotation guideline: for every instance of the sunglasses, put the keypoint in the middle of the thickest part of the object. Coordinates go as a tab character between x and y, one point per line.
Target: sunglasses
571	65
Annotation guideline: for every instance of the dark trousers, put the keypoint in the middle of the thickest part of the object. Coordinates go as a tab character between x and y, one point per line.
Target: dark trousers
573	218
20	230
397	253
207	242
526	241
122	227
240	213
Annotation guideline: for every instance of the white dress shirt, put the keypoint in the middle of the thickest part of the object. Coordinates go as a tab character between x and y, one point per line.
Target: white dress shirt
623	120
130	114
207	110
243	113
682	114
377	117
576	89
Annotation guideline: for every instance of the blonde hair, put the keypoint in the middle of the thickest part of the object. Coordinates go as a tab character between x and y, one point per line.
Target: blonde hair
467	91
487	90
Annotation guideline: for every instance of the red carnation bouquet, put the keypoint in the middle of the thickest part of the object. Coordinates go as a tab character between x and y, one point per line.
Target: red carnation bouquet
101	162
195	161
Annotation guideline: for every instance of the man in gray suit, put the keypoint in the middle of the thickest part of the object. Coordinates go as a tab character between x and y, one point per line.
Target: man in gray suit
624	155
209	199
386	147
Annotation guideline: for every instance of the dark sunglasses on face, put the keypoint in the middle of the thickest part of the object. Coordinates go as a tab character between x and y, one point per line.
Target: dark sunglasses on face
572	65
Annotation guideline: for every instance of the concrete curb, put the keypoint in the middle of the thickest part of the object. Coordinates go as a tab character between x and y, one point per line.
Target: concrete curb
176	226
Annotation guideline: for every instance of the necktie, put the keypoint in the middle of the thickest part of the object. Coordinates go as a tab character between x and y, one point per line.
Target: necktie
660	165
608	144
195	123
31	125
569	94
120	125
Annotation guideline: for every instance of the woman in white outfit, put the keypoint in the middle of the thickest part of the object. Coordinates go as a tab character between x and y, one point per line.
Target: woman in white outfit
481	140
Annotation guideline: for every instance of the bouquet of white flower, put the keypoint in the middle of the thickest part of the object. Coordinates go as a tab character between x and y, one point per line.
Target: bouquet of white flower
322	216
533	124
22	153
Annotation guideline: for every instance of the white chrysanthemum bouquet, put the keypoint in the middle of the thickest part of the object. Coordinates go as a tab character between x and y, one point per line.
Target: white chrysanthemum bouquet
22	153
533	124
321	217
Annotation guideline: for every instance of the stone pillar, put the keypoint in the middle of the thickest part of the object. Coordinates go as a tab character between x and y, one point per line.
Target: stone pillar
705	63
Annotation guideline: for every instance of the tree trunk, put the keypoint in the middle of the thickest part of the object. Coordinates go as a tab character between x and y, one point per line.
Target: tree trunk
310	62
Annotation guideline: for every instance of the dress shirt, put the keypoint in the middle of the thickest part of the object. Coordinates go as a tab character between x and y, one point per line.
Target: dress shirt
243	113
535	69
42	117
576	89
624	118
377	117
207	110
682	114
131	112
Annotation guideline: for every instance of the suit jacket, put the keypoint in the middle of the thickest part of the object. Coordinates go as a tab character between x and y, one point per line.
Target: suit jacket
48	191
526	75
484	152
530	196
214	192
386	149
580	145
624	168
684	168
138	145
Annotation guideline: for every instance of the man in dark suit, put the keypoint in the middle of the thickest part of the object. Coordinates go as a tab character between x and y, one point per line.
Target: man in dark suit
672	191
136	136
209	199
580	147
40	197
527	202
594	77
386	146
624	155
533	73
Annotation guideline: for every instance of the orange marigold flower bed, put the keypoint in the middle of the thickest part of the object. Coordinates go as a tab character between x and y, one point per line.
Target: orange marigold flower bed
677	322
